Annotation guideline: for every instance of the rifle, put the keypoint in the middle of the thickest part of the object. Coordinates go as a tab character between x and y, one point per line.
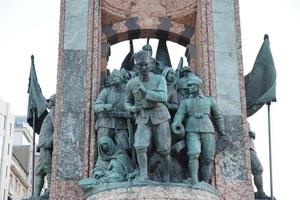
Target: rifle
131	141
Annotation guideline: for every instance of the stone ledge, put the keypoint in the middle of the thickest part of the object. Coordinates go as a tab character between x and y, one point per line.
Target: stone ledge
153	191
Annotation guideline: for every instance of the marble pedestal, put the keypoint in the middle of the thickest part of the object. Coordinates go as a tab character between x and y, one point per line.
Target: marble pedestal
153	192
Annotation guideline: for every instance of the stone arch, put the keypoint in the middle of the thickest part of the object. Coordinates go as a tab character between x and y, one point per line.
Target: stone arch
136	27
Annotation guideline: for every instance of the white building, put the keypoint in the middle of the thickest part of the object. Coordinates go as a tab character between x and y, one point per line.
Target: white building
21	165
6	135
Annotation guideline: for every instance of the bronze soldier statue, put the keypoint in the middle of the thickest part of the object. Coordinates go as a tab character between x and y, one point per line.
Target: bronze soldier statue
198	112
111	116
45	147
181	85
145	96
256	169
172	102
154	66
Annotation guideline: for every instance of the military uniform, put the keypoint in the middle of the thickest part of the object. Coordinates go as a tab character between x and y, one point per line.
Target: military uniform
256	166
45	162
153	118
112	123
45	147
197	113
256	169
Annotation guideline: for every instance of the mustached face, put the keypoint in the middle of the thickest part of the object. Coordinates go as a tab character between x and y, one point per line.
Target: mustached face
115	80
193	88
143	68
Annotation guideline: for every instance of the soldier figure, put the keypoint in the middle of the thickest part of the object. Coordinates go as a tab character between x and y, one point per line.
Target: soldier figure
198	111
154	66
111	117
172	102
45	147
256	169
184	74
145	96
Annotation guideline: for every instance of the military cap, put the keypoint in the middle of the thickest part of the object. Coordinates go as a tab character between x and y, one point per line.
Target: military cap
194	80
116	73
147	47
142	57
186	68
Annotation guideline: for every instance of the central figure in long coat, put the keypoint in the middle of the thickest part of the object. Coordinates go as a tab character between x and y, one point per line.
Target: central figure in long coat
145	96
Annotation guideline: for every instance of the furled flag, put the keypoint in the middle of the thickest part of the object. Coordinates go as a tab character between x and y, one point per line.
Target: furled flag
128	61
37	104
260	83
162	54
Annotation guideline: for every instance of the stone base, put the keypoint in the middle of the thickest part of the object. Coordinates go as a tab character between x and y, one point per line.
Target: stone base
152	191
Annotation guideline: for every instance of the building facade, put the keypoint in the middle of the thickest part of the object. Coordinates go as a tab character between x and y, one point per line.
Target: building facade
21	162
6	138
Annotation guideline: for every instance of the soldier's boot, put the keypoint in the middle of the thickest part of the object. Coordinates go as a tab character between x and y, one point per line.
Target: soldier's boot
258	182
143	165
39	183
205	172
193	169
166	168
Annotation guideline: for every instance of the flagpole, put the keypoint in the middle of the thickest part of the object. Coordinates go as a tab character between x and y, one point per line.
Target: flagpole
33	151
270	150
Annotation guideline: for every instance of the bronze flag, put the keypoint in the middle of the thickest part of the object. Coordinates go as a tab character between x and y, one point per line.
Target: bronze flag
260	83
37	104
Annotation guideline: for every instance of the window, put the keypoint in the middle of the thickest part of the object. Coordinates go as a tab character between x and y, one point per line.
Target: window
1	147
10	127
8	148
6	170
3	121
4	194
16	183
11	183
18	186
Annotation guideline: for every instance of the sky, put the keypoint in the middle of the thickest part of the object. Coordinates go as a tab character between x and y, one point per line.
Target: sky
31	27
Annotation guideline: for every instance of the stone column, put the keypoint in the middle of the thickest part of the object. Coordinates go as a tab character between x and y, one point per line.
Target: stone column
232	168
204	46
79	51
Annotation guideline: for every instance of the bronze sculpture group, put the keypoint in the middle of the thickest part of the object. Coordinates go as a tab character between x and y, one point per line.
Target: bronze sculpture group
148	115
138	121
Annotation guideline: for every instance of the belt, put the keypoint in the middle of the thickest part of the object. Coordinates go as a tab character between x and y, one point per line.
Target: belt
199	115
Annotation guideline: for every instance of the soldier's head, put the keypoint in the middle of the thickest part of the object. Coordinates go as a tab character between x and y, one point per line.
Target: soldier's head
194	84
115	78
169	74
185	71
251	134
142	59
148	48
125	75
51	101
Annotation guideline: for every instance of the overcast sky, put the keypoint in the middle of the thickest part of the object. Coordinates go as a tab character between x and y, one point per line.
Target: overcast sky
31	27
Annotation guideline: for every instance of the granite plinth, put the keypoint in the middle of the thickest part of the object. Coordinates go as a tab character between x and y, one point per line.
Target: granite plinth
153	191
